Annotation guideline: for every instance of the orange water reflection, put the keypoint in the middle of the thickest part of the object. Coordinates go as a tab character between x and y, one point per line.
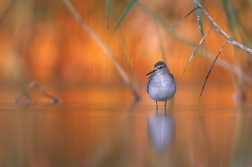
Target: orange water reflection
86	130
109	138
96	124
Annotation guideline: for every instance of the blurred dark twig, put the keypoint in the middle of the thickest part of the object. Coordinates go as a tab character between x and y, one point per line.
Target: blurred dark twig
42	92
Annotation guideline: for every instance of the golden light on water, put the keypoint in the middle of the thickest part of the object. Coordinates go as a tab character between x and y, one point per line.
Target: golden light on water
97	123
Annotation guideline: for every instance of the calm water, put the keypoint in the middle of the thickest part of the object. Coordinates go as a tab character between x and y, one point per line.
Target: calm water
96	127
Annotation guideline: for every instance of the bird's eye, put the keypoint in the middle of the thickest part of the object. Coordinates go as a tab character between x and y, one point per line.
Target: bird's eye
160	67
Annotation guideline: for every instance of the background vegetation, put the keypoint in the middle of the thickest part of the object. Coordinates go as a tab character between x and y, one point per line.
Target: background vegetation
43	41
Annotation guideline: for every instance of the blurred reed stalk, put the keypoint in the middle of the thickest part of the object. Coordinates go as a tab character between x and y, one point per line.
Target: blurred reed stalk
104	47
236	30
240	79
224	64
110	7
161	43
221	32
7	10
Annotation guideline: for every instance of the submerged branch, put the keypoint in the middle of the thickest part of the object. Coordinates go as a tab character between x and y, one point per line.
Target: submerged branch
42	92
24	92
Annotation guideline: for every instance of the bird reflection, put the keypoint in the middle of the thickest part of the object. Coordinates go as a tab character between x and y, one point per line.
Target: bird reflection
161	131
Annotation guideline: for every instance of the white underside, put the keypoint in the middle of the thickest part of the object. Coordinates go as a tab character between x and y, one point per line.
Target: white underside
161	86
163	93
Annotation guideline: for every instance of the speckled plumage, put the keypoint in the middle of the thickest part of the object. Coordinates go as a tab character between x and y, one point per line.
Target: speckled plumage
161	85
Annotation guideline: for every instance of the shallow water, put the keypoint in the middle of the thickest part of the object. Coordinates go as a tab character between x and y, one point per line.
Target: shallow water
96	126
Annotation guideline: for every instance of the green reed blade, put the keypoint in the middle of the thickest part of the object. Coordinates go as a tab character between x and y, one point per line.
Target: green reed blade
200	22
196	48
199	17
211	68
107	13
250	3
175	25
124	47
128	8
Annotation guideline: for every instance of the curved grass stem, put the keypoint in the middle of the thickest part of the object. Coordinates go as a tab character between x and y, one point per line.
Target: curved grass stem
104	47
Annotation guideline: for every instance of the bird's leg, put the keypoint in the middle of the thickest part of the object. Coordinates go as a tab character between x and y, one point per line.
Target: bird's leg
165	104
156	105
165	111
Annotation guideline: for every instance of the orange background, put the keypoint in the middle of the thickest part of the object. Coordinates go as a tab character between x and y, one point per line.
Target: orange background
41	40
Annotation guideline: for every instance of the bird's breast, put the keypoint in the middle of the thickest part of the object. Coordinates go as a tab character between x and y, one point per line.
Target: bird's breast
161	87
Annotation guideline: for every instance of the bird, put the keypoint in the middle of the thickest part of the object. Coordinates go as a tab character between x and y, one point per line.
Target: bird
161	85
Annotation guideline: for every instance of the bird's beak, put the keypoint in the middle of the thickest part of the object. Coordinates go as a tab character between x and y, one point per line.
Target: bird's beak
151	72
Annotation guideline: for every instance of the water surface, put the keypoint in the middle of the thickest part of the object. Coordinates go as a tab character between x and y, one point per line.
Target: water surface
96	126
